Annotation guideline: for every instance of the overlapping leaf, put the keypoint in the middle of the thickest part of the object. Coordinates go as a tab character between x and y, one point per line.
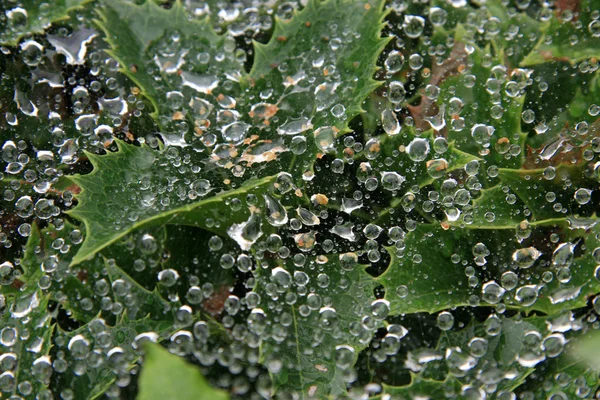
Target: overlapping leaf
571	40
140	187
166	375
32	17
30	367
311	341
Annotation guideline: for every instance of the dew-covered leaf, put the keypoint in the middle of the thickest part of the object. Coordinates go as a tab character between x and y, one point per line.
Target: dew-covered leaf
142	179
484	109
311	342
114	362
32	17
321	199
421	280
568	38
321	68
26	329
159	50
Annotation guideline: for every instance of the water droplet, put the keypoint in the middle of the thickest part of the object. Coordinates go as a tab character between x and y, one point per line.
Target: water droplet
325	138
563	255
168	277
391	180
390	122
79	347
276	213
492	292
527	295
281	277
526	257
380	309
394	62
418	149
413	26
307	217
246	233
445	321
344	356
583	196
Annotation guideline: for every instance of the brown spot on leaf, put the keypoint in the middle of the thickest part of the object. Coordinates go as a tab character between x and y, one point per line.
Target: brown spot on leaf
82	275
560	6
215	304
17	284
453	65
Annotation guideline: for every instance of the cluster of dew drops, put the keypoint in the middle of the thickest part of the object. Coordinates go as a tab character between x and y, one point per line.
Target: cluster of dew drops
69	97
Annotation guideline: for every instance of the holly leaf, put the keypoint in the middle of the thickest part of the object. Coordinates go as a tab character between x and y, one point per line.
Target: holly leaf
138	161
518	31
33	17
86	340
486	119
548	193
330	58
419	280
28	313
120	196
574	41
313	341
507	351
136	35
312	74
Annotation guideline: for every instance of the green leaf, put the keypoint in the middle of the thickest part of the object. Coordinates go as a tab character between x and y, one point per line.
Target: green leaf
132	188
137	33
311	343
583	283
454	367
587	349
32	17
139	300
309	63
422	388
418	279
557	42
486	104
516	33
167	376
340	57
30	260
436	167
565	376
88	339
547	193
28	313
493	209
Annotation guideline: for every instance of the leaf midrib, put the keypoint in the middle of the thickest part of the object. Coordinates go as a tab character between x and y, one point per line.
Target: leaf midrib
187	208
